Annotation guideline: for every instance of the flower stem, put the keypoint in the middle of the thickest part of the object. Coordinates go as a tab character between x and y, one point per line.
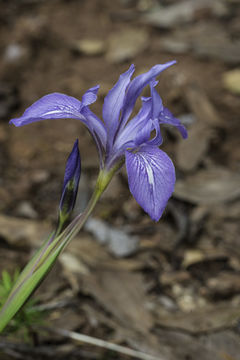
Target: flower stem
43	260
103	180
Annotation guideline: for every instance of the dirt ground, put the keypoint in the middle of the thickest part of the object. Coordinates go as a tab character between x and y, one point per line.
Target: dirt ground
169	289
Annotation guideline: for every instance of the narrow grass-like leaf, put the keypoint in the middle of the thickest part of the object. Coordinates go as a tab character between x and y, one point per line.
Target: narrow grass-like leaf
30	277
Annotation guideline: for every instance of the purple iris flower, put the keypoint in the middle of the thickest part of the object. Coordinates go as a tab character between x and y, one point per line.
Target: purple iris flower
151	173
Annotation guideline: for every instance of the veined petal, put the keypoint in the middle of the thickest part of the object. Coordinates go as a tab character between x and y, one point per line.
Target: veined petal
61	106
151	178
166	117
139	121
51	106
137	85
143	134
113	103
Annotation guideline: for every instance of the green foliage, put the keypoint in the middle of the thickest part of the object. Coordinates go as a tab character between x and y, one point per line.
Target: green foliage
28	316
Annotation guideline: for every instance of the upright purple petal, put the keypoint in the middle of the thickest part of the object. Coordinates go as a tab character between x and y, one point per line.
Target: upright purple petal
151	178
90	96
133	127
157	105
137	85
113	103
143	134
157	139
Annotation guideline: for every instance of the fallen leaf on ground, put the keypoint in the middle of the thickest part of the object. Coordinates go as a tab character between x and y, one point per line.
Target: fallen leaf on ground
210	186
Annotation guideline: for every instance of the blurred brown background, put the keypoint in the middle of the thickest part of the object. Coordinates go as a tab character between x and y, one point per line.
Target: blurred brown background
170	289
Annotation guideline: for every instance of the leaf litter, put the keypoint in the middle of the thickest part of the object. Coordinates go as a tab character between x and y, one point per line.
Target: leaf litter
170	296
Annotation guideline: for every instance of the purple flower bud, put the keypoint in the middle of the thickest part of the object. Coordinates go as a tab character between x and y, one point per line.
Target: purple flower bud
70	183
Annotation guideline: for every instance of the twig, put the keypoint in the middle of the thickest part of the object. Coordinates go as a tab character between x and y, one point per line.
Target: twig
22	351
54	305
104	344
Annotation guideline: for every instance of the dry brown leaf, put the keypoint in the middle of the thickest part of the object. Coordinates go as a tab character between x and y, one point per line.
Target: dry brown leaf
210	186
17	231
202	320
122	294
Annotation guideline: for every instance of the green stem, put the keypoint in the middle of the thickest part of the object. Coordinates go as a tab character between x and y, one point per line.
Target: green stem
45	257
103	180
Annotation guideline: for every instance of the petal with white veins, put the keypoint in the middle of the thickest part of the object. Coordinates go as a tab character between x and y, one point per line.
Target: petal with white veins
51	106
151	178
61	106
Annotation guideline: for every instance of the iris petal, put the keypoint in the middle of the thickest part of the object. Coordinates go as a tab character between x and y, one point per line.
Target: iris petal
113	103
151	178
61	106
90	96
166	117
136	124
137	85
157	105
51	106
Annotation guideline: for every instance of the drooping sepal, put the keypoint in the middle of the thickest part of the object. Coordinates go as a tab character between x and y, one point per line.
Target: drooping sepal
70	184
151	178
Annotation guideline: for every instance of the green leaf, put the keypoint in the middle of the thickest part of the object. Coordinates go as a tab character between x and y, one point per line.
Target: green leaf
31	276
46	256
7	281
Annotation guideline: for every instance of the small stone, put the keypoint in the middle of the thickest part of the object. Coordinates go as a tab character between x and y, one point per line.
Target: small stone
26	210
119	242
14	53
231	81
192	257
167	303
90	47
40	176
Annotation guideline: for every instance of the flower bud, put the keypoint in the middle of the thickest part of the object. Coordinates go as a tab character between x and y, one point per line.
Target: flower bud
70	184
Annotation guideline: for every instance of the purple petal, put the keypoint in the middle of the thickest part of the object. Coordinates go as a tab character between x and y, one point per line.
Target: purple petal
137	85
157	140
151	178
52	106
95	125
157	105
143	134
61	106
135	125
97	130
90	96
113	102
166	117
